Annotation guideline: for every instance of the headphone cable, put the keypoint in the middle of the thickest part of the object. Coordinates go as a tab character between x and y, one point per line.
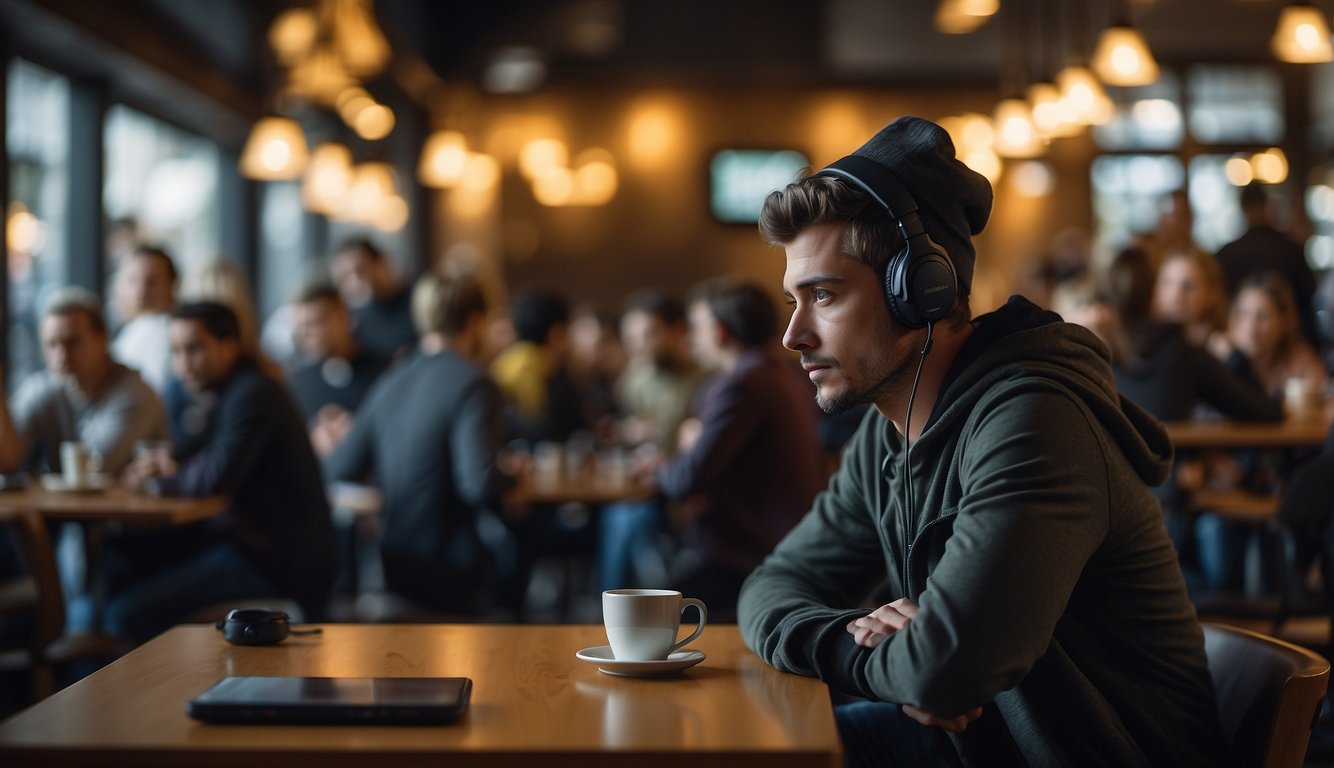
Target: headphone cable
909	501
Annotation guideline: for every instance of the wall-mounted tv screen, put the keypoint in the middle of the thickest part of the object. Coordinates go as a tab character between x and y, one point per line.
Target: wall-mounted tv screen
740	179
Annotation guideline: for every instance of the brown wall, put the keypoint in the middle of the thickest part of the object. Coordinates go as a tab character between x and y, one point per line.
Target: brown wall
658	231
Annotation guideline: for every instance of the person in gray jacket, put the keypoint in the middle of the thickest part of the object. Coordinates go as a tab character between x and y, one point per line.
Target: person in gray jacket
998	491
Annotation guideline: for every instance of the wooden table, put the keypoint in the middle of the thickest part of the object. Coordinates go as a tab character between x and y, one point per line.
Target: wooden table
590	487
533	703
1292	433
113	505
95	509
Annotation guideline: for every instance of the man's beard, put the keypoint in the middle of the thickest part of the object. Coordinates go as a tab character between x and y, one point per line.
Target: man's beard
833	406
849	397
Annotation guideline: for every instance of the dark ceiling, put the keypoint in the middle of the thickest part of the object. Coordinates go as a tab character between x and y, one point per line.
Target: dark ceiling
204	62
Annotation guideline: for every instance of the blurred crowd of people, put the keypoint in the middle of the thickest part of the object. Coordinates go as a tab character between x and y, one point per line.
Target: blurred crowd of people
445	402
1195	335
439	398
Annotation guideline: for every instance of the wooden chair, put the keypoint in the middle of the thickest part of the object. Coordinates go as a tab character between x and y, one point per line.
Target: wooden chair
36	600
1269	694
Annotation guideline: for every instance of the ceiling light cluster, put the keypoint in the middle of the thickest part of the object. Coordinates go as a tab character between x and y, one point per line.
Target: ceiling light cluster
1024	123
328	51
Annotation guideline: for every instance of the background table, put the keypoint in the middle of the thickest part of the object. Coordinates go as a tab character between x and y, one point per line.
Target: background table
1291	433
533	703
113	505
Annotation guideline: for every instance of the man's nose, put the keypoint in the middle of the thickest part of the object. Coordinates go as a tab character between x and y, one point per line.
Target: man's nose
797	337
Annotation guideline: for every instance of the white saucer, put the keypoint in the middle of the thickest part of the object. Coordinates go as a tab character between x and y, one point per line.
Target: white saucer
601	657
55	482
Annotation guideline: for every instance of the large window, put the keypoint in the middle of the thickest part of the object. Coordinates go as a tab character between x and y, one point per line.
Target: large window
161	187
37	142
1221	113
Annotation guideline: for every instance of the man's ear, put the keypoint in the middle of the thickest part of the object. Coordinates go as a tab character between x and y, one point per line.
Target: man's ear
720	333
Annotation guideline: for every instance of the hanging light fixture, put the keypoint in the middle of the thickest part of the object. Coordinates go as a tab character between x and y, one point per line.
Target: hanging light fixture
959	17
443	159
1016	136
1122	57
1083	95
327	179
275	150
1302	36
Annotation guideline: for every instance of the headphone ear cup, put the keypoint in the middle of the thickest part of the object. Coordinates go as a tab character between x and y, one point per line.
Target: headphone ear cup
920	288
896	292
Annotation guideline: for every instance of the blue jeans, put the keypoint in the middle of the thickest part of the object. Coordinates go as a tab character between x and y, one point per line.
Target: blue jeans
877	734
216	574
625	530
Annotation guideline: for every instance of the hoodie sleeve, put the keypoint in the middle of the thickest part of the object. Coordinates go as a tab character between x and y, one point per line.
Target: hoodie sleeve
1034	506
833	557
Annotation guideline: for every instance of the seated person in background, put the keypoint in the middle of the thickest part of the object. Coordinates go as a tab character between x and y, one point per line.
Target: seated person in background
1189	292
654	394
381	307
541	401
1264	248
595	361
754	465
275	539
1041	617
146	286
1267	347
657	386
1307	508
82	395
340	370
1159	369
222	281
432	429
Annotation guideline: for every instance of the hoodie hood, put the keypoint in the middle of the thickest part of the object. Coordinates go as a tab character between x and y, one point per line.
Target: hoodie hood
1020	342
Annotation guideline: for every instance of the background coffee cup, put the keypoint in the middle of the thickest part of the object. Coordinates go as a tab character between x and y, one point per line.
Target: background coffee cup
77	463
1300	398
642	624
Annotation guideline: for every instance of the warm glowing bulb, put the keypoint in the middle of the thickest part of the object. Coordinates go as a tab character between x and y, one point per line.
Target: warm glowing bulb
1238	171
1302	35
1123	58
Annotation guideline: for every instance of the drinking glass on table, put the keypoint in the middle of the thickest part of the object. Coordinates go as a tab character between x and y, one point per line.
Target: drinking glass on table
152	459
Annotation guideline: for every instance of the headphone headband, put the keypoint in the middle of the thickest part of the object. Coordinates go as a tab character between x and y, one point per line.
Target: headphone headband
877	181
920	283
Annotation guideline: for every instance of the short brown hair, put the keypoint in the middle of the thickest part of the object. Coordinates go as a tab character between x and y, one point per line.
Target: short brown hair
73	300
444	304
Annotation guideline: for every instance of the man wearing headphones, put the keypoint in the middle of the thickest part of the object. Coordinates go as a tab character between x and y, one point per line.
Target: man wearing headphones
998	492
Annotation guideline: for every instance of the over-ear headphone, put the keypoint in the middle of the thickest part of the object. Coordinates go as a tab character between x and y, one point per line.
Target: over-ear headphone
254	626
920	283
258	626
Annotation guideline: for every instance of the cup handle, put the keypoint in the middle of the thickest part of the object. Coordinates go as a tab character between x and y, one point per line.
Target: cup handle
703	617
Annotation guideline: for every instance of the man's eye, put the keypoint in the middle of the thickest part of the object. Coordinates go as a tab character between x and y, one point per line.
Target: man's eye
820	294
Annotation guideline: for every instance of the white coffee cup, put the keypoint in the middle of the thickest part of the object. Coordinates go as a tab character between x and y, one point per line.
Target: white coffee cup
1300	398
76	463
642	624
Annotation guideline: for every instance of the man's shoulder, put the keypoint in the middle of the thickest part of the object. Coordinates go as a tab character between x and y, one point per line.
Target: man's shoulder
37	390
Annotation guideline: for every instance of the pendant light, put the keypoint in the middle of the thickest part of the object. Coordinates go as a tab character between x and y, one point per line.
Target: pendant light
1122	57
1302	36
275	150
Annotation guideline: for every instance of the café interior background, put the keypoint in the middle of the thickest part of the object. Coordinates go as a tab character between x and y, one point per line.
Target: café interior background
577	143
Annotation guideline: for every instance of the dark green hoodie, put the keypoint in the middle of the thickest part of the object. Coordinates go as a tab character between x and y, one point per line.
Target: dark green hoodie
1036	554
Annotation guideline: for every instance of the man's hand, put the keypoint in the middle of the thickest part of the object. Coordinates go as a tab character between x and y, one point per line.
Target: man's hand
951	724
873	629
147	466
331	425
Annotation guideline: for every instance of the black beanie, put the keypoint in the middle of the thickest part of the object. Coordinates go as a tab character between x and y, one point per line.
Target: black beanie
954	200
